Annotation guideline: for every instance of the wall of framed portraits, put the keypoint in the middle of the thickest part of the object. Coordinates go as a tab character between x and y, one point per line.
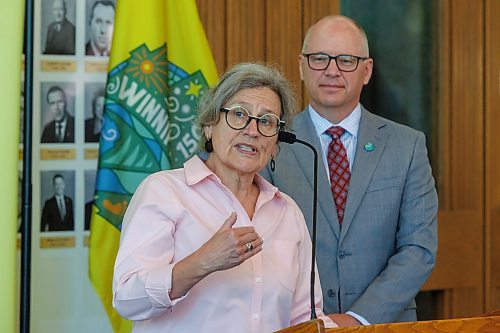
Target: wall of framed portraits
72	42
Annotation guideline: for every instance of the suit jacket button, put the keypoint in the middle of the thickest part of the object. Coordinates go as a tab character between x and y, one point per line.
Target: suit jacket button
331	293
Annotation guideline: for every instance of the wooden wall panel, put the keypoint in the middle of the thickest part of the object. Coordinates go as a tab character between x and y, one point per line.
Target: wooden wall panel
284	37
213	16
465	302
313	10
460	264
466	104
492	107
245	31
462	104
443	172
467	139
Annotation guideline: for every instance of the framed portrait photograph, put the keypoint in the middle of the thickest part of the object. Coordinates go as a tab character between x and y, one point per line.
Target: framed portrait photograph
57	198
99	19
94	108
58	27
57	112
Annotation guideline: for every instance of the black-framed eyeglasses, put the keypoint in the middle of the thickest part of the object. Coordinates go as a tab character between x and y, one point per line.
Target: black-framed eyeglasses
237	117
321	61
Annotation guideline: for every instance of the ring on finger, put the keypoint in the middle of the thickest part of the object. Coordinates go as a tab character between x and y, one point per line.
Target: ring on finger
249	246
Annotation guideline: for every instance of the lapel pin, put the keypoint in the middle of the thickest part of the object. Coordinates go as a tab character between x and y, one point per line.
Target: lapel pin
369	147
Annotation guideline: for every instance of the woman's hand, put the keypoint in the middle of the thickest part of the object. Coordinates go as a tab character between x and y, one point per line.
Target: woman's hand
227	248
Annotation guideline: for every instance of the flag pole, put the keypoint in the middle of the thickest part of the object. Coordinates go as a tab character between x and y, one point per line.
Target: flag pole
26	226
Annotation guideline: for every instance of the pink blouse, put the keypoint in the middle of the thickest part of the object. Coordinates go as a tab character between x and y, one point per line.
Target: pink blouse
171	215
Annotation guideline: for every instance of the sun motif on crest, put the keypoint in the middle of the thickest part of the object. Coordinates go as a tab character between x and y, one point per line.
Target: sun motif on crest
149	68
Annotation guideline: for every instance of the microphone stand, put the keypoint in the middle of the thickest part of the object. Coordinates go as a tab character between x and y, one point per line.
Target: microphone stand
290	138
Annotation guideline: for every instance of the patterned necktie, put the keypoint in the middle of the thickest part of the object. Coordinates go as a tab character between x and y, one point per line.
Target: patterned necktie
339	170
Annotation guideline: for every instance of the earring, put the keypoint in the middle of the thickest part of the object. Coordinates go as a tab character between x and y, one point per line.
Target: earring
273	164
209	147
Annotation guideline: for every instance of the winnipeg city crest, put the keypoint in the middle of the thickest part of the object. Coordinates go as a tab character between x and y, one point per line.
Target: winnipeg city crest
148	126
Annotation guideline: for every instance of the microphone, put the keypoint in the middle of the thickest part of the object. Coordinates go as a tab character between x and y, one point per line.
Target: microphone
291	138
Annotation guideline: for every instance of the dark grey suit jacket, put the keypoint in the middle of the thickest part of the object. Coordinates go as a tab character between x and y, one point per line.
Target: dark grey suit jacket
376	262
60	41
51	216
49	131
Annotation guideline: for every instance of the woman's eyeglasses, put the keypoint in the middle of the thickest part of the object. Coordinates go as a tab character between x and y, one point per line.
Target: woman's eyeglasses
237	117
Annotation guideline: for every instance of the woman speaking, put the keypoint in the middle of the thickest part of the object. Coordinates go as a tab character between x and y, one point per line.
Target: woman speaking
213	247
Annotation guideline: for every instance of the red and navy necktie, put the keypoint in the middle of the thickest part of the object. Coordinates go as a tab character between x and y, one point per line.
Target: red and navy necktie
339	170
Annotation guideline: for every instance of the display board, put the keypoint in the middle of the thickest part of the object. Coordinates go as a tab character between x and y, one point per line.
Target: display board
72	41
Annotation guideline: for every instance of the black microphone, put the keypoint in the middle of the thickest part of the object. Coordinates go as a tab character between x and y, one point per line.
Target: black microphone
291	138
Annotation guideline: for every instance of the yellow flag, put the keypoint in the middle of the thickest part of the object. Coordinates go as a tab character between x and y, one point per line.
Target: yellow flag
160	65
11	35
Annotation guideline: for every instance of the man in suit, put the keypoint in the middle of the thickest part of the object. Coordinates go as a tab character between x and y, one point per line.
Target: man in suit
60	33
377	227
62	128
57	214
101	28
93	125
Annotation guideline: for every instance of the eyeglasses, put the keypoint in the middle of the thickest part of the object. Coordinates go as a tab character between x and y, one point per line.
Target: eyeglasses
321	61
237	117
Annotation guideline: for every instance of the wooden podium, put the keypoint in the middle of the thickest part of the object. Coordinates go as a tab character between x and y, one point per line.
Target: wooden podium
311	326
485	324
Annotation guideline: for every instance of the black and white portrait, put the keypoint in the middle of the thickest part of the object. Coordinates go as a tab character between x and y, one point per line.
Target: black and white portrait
57	194
94	108
58	27
57	117
100	19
